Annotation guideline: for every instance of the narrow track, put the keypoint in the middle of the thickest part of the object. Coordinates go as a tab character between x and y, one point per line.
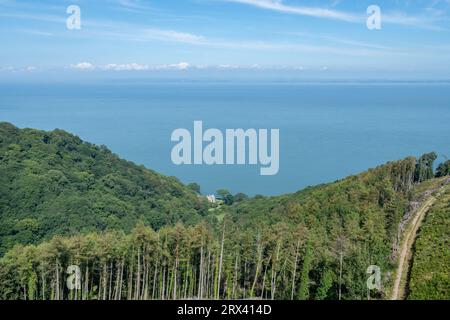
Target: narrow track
404	261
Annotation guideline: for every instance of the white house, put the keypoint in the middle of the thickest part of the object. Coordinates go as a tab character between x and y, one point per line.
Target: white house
211	198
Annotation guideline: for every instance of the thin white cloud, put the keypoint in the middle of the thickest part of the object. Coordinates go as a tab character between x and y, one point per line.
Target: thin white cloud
421	22
37	17
126	67
180	66
144	35
338	40
134	5
171	35
278	5
131	4
228	66
38	33
173	66
83	66
130	66
127	32
427	21
294	47
16	69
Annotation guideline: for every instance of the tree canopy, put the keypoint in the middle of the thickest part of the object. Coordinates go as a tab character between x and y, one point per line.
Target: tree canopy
53	183
136	234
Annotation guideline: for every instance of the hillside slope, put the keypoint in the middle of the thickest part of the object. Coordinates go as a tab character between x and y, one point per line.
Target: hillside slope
314	244
430	273
54	183
434	190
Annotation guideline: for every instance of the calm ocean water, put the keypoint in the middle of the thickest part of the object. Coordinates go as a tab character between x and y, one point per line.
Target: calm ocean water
327	131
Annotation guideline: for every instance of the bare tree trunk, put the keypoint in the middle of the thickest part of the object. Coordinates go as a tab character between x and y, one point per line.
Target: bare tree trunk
235	277
163	288
244	280
86	283
220	262
130	283
175	275
264	282
155	279
273	282
200	277
147	280
340	274
115	289
105	281
186	279
57	282
138	276
208	275
295	270
43	285
122	265
110	280
258	263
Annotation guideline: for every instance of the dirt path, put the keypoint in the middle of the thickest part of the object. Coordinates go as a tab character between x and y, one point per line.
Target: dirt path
398	290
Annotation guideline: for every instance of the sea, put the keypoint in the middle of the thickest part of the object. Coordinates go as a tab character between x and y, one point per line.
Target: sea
328	130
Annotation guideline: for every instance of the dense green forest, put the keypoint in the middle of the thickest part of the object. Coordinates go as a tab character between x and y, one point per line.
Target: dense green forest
430	273
136	234
52	183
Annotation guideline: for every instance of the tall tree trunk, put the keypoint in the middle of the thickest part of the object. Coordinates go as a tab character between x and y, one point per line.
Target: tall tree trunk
295	270
110	280
122	265
220	262
200	277
57	281
263	282
138	275
273	284
86	283
155	279
208	274
258	265
235	277
105	281
340	273
130	283
175	275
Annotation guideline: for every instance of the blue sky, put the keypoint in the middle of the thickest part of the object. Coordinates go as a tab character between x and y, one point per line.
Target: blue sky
313	38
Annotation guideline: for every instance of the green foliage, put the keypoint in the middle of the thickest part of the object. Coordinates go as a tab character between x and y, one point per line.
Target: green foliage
238	197
330	229
139	235
52	183
226	196
424	167
326	283
194	187
356	217
303	292
443	169
430	273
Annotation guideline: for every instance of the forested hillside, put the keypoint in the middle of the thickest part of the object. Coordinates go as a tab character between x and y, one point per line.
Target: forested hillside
430	273
52	183
314	244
